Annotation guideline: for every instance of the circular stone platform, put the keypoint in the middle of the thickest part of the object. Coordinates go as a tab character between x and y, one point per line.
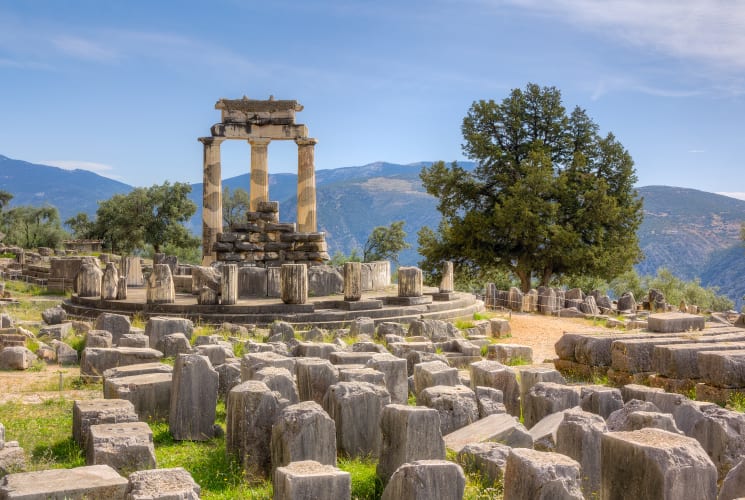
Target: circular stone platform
325	312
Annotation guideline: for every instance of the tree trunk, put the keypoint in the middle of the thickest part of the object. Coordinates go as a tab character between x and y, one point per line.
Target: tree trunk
524	279
546	278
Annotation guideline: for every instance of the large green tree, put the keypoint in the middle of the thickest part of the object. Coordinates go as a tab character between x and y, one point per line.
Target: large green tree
234	206
549	194
386	242
32	227
153	215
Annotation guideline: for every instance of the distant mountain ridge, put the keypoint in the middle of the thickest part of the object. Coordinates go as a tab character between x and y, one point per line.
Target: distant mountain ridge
693	233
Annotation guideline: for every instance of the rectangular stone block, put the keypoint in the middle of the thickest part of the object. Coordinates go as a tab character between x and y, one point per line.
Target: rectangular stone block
681	361
88	412
99	482
722	368
309	479
150	393
96	360
125	447
498	427
674	322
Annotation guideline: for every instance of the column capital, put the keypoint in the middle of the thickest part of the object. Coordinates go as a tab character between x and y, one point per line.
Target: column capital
210	140
306	141
259	141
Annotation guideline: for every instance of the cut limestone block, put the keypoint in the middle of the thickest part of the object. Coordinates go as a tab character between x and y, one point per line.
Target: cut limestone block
88	412
303	431
546	398
426	479
544	432
309	479
174	344
116	324
229	376
193	399
96	360
252	410
162	484
500	428
159	326
134	340
489	401
280	380
680	361
98	338
655	464
510	353
721	433
674	322
350	358
410	433
722	368
368	375
600	400
487	459
136	369
314	377
619	419
733	485
92	482
394	370
578	437
16	358
125	447
531	375
499	327
538	475
456	405
434	373
252	362
356	408
12	459
498	376
150	393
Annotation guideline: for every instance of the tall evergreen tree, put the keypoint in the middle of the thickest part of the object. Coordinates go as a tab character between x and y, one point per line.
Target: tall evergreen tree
549	195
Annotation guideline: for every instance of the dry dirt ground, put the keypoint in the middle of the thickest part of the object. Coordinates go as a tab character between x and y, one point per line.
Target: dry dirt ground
538	332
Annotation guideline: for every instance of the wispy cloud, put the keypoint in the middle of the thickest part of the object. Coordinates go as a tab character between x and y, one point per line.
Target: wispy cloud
697	151
710	31
739	196
82	48
98	168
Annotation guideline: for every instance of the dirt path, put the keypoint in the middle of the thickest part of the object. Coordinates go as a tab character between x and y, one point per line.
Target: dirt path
33	387
542	332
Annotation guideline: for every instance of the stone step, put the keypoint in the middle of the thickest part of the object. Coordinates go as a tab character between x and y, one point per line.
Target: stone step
681	361
722	368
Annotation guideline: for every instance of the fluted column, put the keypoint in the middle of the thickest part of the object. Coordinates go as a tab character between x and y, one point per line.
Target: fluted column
306	185
259	172
211	197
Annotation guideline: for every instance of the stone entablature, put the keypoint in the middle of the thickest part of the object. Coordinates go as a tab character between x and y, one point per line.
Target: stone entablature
264	241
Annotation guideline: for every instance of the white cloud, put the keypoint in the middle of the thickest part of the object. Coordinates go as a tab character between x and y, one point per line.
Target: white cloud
697	151
739	196
712	31
97	168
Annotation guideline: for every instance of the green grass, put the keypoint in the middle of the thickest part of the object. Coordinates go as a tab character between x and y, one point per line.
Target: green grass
463	324
736	402
518	361
365	482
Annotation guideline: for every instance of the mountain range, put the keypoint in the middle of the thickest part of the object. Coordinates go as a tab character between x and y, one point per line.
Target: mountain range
693	233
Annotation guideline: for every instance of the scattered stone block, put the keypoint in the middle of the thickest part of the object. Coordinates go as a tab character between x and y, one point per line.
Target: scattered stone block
546	398
309	479
54	315
281	331
618	420
394	370
150	393
193	399
253	362
314	377
362	326
315	350
126	447
501	428
733	485
534	475
279	380
578	437
216	353
498	376
98	338
95	360
489	401
426	479
499	328
544	432
356	408
252	410
159	326
12	459
93	482
162	484
56	332
531	375
456	405
134	340
350	358
510	353
600	400
434	373
174	344
116	324
16	358
721	433
88	412
487	459
655	464
674	322
722	368
303	431
410	433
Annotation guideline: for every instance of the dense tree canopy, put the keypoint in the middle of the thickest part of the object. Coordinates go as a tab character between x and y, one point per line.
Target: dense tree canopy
32	227
549	195
234	206
153	215
386	243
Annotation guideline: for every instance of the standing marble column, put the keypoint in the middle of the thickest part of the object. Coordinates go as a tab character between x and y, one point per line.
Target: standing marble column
306	185
259	190
211	198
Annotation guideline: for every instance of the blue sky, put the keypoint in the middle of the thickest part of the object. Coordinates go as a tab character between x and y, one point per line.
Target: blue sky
125	88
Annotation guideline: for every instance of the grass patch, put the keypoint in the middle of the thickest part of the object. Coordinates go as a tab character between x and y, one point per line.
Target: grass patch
365	483
736	402
44	431
477	316
463	324
518	361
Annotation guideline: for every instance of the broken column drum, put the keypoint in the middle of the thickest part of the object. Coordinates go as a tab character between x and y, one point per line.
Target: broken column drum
446	283
160	287
229	284
352	281
259	122
409	282
293	282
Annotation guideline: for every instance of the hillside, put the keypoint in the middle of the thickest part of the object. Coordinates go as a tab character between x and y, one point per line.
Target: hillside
693	233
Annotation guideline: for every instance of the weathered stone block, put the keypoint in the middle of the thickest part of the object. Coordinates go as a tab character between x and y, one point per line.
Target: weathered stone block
309	479
279	380
655	464
294	283
578	437
510	353
674	322
600	400
193	398
252	362
134	340
162	484
498	376
92	482
409	282
16	358
546	398
356	408
150	393
98	338
159	326
303	431
96	360
537	475
160	287
410	433
502	428
314	377
434	373
395	373
489	460
116	324
125	447
88	412
426	479
456	405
